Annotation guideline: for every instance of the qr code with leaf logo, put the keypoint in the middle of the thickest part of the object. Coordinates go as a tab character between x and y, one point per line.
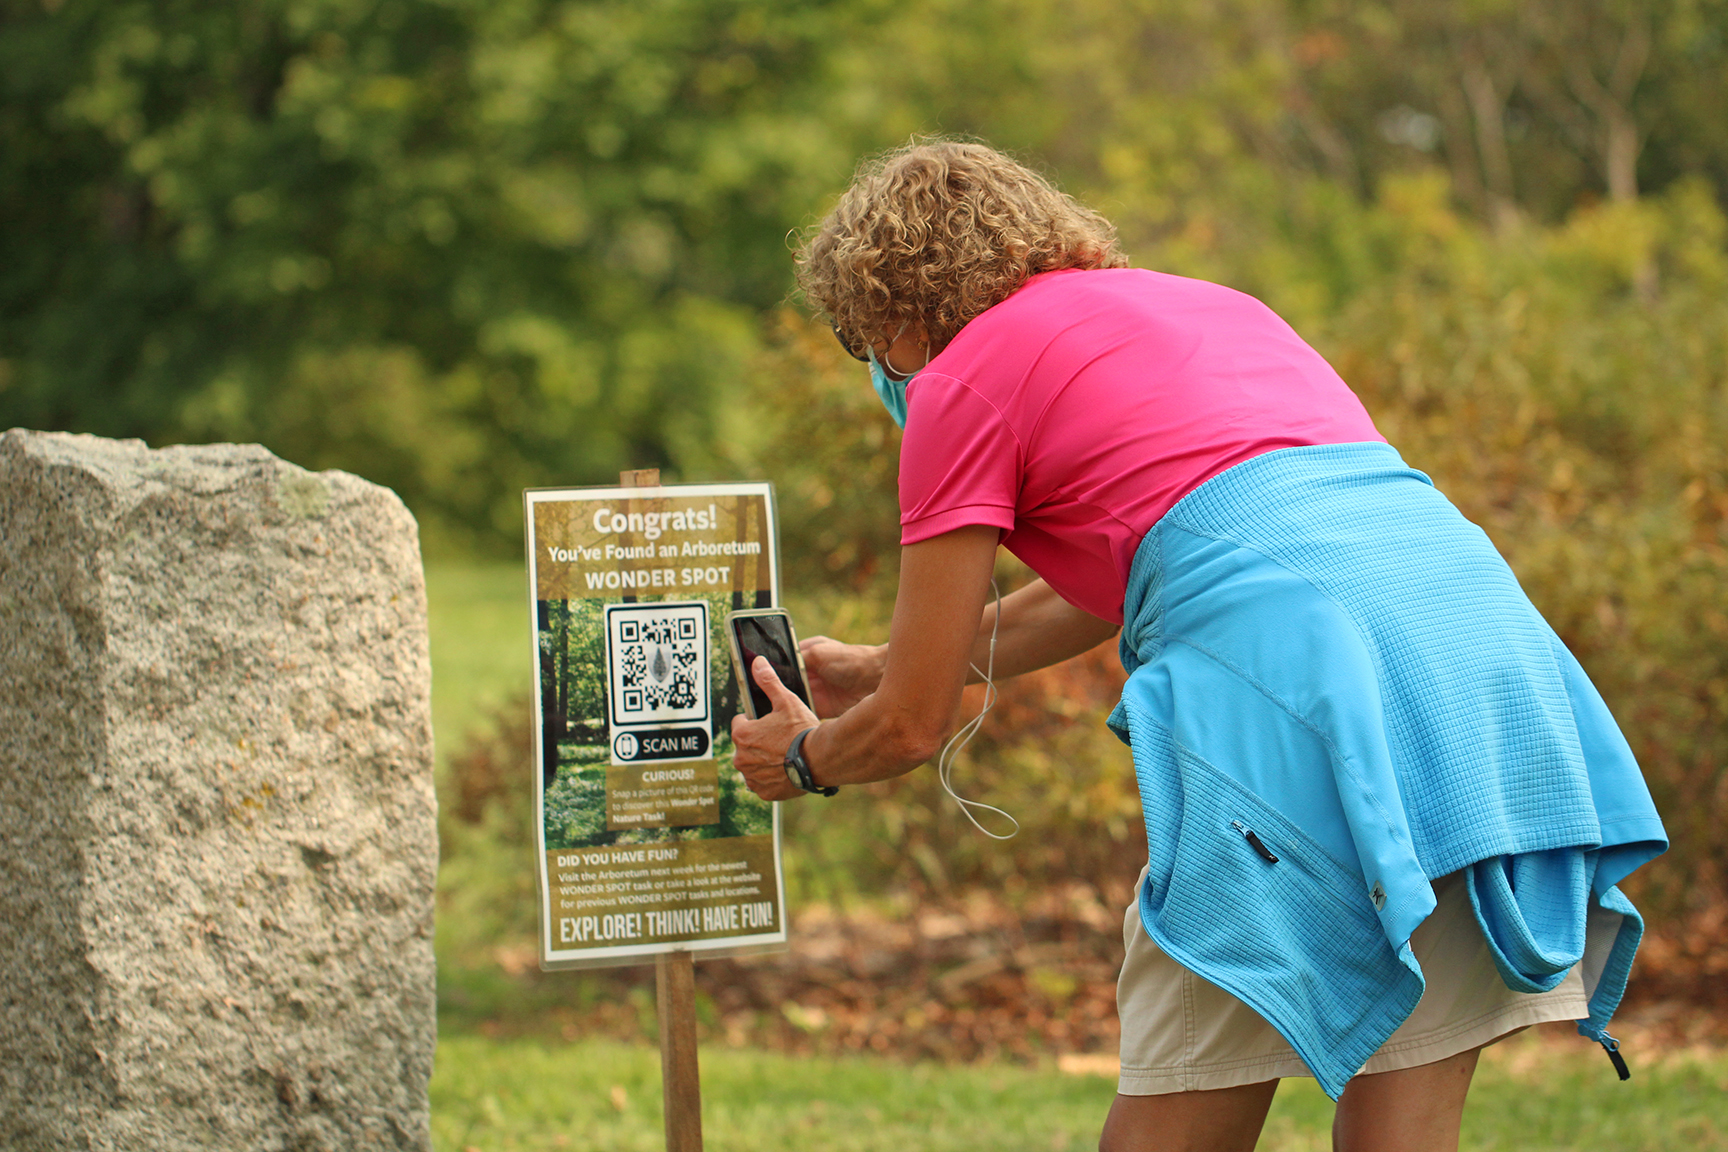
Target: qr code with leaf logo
657	660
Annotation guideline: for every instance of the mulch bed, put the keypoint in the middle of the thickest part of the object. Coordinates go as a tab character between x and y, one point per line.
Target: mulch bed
969	979
974	980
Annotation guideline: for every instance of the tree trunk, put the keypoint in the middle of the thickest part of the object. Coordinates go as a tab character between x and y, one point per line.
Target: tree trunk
1620	154
1464	161
1488	114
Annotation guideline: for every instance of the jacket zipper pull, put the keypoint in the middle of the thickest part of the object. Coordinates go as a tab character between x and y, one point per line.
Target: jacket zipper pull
1254	841
1612	1047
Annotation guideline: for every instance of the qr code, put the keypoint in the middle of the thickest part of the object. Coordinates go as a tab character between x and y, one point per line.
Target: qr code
658	660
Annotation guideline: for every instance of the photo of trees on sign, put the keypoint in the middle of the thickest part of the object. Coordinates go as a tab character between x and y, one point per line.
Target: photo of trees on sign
571	635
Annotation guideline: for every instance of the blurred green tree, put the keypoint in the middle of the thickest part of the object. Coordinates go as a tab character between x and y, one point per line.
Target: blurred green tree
460	247
464	248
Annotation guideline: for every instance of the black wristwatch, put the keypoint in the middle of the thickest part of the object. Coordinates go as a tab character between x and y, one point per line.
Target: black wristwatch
798	770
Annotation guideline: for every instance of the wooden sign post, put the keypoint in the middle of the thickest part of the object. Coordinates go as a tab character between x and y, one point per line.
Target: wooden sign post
680	1079
651	843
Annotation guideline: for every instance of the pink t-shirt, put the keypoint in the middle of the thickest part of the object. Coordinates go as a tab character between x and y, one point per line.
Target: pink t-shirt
1076	412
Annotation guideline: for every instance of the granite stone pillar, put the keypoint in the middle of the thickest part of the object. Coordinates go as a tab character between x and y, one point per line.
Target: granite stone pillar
217	824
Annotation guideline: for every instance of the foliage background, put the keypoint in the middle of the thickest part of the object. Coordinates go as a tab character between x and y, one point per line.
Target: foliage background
462	248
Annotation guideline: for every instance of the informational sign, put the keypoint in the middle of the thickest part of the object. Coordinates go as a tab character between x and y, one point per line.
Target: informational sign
650	840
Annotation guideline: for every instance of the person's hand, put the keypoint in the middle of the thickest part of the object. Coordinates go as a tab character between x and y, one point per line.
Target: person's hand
840	674
760	745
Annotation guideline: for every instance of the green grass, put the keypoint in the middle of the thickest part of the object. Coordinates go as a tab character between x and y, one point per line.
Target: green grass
603	1096
529	1096
480	645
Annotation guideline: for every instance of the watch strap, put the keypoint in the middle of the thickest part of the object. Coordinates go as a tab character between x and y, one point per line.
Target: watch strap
798	769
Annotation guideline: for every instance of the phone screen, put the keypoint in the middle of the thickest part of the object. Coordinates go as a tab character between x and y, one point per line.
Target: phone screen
769	636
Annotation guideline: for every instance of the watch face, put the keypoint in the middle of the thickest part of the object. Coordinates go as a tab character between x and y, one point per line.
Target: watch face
792	774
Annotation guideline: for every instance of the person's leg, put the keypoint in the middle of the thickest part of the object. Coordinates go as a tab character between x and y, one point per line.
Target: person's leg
1219	1120
1410	1110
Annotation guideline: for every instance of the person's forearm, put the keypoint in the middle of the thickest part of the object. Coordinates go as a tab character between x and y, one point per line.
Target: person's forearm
1038	629
871	742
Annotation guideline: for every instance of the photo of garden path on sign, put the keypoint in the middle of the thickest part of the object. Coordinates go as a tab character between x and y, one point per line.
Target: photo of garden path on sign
650	839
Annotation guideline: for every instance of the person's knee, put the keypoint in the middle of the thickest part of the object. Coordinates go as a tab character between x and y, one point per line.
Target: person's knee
1215	1120
1411	1110
1114	1137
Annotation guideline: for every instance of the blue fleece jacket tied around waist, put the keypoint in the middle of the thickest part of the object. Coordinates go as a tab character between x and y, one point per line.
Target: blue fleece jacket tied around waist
1324	653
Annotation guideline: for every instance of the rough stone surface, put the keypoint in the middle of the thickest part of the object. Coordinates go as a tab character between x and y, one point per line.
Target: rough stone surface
217	825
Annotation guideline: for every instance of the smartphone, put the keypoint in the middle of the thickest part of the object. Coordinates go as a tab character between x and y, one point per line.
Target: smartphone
766	632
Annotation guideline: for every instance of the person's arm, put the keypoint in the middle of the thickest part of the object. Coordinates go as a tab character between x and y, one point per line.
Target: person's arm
944	582
1039	628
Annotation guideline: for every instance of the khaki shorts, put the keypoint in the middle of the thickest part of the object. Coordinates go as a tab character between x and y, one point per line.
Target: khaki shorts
1181	1033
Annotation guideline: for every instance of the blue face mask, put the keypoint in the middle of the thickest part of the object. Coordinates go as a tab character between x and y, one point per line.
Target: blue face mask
892	389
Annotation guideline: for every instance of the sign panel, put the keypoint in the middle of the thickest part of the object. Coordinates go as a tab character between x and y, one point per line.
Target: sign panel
650	840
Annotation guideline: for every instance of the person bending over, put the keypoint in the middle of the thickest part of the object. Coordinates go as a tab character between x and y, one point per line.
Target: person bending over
1386	810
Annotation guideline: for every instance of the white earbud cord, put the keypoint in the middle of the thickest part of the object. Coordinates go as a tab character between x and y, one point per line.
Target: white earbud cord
957	742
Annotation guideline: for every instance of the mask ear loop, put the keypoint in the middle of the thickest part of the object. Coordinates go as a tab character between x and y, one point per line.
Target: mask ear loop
957	742
882	363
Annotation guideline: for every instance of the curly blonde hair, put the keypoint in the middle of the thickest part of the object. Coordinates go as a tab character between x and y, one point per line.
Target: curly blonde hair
933	233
